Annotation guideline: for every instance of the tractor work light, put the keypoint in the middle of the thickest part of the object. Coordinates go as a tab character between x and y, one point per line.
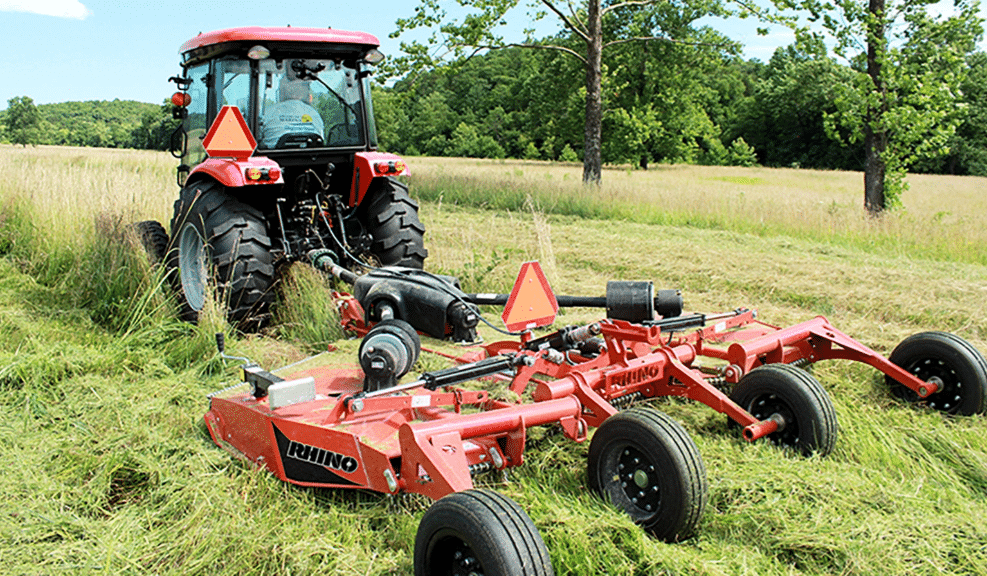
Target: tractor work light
181	99
374	56
258	52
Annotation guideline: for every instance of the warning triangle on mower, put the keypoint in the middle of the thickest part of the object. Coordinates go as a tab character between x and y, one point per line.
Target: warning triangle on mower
532	303
229	136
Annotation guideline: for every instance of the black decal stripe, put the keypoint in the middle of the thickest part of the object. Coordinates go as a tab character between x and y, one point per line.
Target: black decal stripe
300	471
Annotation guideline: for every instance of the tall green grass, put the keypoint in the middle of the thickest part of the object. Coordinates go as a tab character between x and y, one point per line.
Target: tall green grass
942	218
306	312
110	469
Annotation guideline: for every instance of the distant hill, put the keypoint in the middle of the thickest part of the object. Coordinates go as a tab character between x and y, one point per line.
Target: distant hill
106	124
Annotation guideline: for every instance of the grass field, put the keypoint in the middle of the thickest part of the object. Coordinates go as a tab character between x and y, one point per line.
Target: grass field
109	468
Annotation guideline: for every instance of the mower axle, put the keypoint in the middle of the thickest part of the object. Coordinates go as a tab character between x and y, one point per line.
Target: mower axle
775	423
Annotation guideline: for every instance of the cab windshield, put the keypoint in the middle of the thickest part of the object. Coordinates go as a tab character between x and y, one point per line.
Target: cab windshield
301	103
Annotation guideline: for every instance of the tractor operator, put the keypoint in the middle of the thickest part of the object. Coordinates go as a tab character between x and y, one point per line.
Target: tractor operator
292	115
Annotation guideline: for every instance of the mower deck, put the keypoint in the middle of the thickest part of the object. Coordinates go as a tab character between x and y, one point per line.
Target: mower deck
328	424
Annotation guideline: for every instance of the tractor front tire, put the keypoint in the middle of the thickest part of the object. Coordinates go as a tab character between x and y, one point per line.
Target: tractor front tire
479	532
154	238
391	217
645	464
222	243
960	369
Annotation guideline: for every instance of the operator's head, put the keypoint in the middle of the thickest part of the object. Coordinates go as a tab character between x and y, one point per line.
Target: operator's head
295	90
292	87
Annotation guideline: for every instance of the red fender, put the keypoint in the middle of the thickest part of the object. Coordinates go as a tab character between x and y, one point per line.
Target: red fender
370	165
233	173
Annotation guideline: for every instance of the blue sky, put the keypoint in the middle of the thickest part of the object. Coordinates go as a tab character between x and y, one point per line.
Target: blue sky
71	50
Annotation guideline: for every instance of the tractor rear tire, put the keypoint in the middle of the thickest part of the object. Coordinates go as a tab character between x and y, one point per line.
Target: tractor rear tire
221	242
955	362
479	532
645	463
391	217
792	393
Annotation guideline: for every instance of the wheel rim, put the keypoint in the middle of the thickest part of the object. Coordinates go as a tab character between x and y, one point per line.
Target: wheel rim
452	556
638	479
192	263
765	406
950	394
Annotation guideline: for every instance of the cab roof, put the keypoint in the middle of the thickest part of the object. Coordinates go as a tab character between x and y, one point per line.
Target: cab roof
287	42
281	34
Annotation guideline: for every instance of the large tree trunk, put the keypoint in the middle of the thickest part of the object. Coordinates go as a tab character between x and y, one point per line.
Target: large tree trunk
592	153
875	134
875	142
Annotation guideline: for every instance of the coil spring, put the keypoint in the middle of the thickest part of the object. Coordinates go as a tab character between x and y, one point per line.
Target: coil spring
480	468
626	401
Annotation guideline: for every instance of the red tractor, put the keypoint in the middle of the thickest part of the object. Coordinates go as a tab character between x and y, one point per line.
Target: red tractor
300	97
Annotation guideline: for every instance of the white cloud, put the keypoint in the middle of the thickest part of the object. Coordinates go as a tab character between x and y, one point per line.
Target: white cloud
58	8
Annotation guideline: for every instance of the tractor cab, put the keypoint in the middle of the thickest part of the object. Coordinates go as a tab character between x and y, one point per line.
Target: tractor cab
304	93
279	162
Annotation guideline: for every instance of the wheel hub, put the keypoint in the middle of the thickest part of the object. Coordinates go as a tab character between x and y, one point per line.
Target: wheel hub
465	562
773	407
192	263
950	392
638	479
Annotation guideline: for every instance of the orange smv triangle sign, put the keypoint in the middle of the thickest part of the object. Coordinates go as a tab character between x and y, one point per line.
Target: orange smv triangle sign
229	136
532	303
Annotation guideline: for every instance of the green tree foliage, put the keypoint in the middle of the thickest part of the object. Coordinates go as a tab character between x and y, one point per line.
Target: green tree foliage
22	121
102	124
155	129
659	95
784	118
512	102
659	98
908	69
105	124
967	148
710	103
591	30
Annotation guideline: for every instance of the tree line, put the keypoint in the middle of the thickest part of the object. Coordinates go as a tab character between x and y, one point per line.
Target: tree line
94	123
663	104
906	62
674	92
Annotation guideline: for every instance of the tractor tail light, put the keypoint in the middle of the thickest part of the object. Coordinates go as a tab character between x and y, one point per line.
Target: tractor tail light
254	174
392	167
181	99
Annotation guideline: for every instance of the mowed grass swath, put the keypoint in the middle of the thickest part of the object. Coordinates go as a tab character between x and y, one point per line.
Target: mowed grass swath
110	468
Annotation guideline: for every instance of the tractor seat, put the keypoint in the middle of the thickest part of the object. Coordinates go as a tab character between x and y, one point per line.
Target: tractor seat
299	141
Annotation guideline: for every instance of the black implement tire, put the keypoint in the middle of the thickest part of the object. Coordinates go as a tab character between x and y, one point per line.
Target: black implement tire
154	238
218	240
955	362
479	532
792	393
391	217
646	464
